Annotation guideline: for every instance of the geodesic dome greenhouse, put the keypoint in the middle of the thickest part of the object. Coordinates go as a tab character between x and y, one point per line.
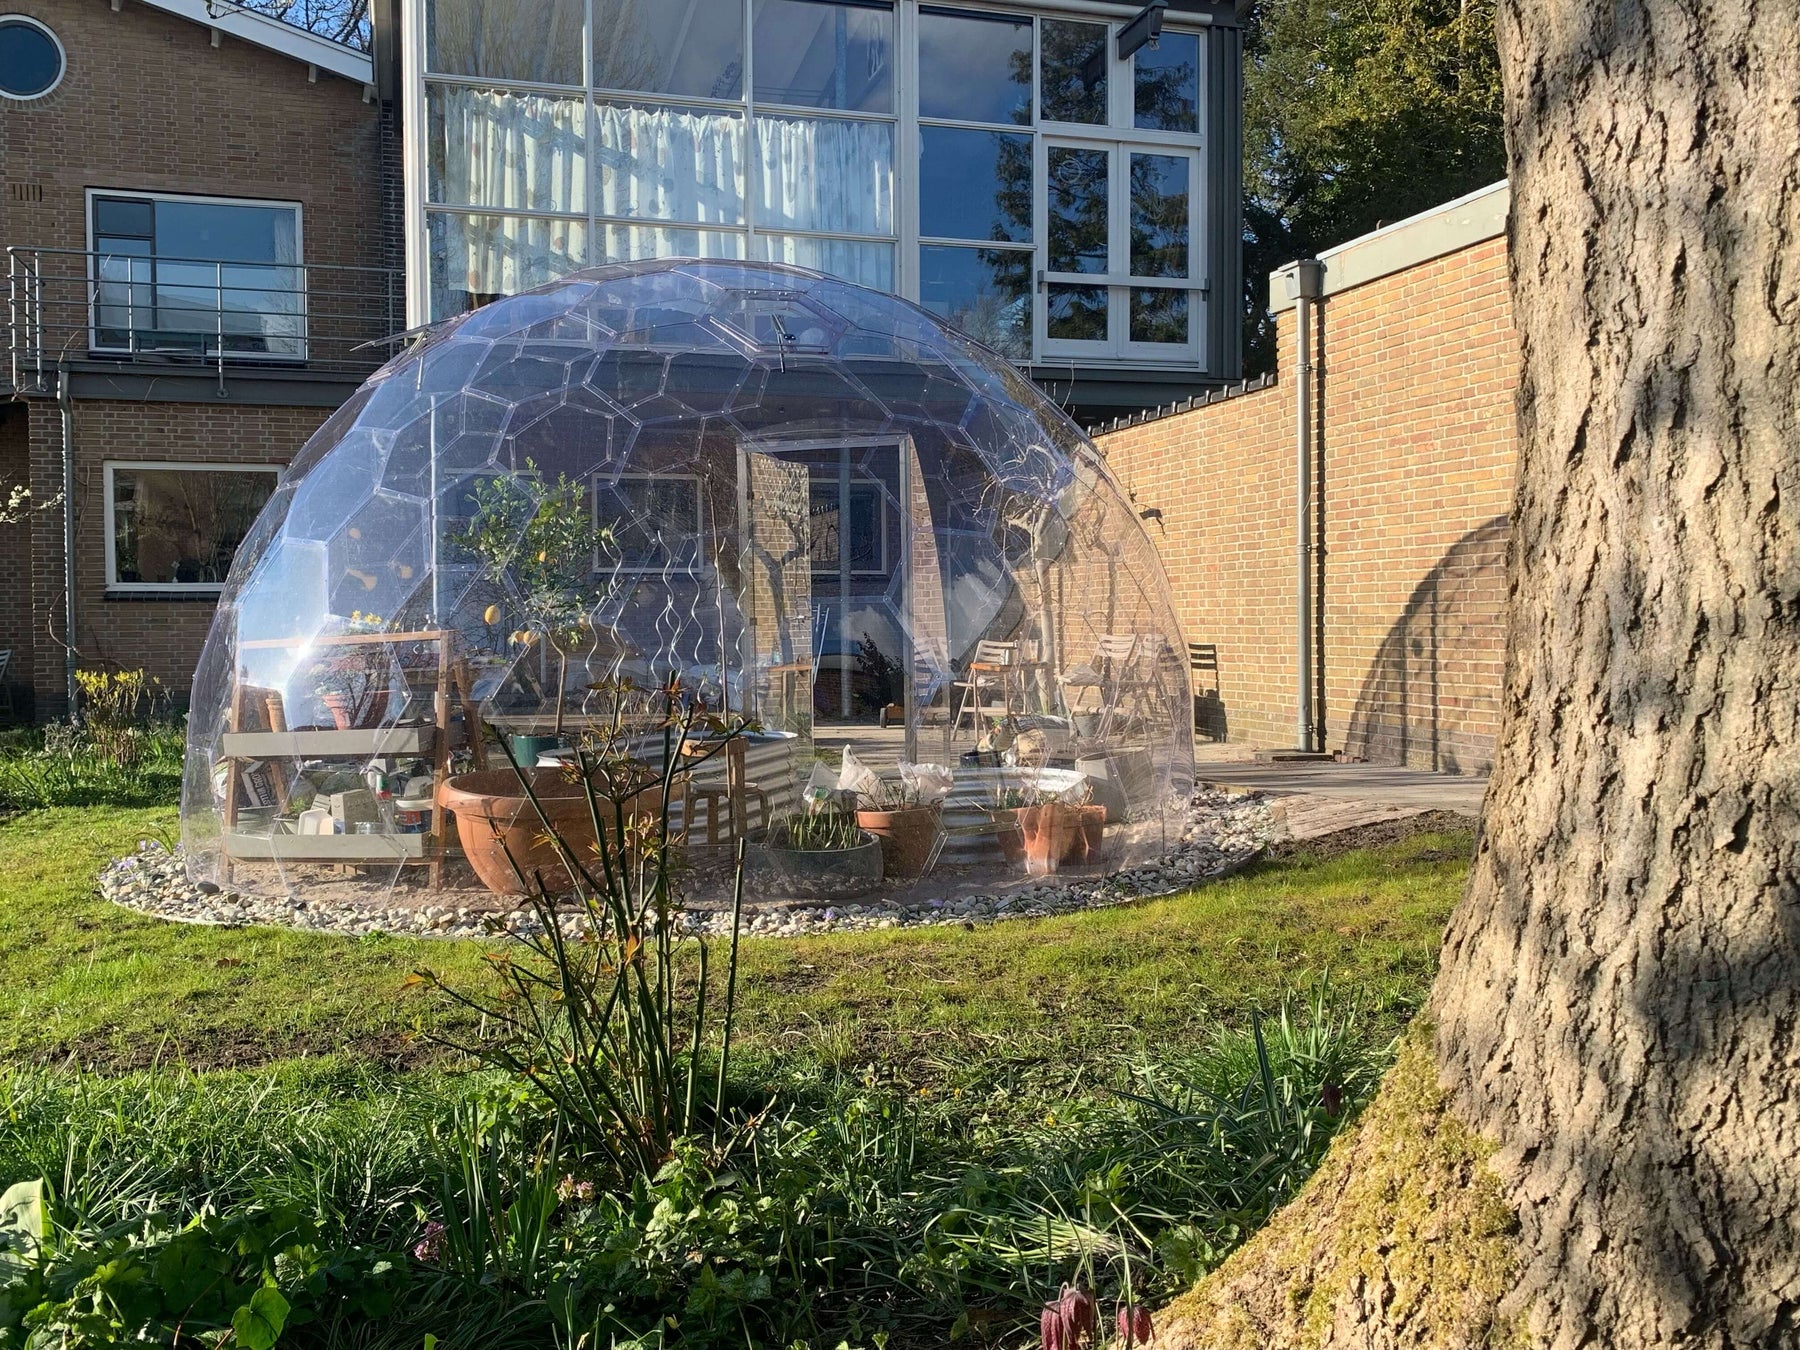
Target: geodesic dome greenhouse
806	503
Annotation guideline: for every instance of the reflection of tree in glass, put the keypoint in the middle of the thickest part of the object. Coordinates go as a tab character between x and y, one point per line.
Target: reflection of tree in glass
1074	71
186	526
1078	213
1159	216
519	42
1165	97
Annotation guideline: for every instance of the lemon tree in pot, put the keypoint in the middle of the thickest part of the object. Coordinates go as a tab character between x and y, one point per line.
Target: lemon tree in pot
538	541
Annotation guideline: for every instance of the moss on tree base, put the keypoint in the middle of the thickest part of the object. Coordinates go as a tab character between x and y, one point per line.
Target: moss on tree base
1402	1239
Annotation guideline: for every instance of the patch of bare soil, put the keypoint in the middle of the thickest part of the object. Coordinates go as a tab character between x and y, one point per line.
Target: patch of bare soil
1378	834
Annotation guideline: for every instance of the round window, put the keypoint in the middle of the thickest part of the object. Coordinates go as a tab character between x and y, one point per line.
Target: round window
31	59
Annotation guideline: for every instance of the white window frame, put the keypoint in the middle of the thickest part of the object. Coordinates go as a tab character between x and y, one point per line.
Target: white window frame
62	58
199	589
1117	279
694	569
299	266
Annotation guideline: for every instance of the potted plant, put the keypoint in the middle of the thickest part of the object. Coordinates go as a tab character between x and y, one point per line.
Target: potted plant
540	541
1054	832
506	830
818	854
899	814
1003	810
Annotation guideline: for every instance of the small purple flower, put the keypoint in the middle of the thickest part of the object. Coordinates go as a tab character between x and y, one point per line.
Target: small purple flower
430	1248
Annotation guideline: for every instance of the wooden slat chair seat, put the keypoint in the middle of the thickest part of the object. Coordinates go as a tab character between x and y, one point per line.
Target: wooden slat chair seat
995	666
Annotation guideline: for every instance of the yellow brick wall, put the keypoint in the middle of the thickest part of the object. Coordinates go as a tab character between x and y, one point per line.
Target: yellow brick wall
1416	375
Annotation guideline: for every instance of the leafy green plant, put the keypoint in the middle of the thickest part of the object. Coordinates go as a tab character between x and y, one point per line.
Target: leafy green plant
600	1007
541	539
826	830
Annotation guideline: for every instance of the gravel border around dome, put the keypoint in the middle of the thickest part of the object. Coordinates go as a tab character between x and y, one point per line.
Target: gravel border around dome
1225	830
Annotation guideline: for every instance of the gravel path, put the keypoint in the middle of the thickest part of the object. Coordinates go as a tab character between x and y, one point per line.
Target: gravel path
1225	830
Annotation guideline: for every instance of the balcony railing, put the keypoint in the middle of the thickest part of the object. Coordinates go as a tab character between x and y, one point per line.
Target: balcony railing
67	304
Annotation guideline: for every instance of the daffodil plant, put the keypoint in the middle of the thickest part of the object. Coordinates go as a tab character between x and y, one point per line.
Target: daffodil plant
542	537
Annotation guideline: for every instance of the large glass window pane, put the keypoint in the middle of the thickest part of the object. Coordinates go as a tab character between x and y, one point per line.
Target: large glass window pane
974	184
519	152
824	56
1159	316
689	47
505	40
615	242
986	292
1078	209
974	68
475	259
207	276
1166	84
849	259
1160	218
1072	65
662	163
816	173
1077	314
178	526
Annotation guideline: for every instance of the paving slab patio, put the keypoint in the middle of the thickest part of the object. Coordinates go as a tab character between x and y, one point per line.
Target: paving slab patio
1313	799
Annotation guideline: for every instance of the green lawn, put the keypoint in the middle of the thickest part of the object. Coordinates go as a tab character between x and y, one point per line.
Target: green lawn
101	987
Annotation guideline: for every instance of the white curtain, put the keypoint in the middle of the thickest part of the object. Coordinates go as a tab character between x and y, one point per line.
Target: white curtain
503	255
816	173
284	322
508	151
676	164
627	243
866	264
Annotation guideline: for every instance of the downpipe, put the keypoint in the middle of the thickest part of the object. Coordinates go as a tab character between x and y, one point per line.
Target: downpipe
66	409
1307	286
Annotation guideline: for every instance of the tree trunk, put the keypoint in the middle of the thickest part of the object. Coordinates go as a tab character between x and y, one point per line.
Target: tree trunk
1620	996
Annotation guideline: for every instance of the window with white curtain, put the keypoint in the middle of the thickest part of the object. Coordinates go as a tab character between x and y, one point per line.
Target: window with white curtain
1048	201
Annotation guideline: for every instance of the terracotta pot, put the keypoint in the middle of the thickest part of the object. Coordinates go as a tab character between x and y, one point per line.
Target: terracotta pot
495	819
1058	833
906	836
1007	835
346	717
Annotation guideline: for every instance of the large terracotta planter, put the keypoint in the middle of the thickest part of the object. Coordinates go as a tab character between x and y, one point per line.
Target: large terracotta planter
1059	833
495	819
906	836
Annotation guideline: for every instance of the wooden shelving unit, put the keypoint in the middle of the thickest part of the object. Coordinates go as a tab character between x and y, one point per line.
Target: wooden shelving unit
244	745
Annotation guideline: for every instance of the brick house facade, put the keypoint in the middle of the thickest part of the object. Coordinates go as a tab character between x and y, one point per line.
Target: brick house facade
162	101
1415	369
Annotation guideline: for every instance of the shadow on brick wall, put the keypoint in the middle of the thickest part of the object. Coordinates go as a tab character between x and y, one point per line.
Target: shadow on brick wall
1421	701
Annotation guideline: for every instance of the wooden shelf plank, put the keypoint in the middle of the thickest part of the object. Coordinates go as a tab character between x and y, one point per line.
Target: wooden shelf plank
344	848
325	744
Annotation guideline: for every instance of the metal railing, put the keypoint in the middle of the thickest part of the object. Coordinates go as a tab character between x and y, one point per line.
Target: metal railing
201	313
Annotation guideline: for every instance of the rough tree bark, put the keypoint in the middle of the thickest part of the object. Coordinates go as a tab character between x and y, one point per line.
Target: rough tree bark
1618	1008
1620	996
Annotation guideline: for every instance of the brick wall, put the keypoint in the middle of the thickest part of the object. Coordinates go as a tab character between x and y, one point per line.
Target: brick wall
1415	376
161	635
149	104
